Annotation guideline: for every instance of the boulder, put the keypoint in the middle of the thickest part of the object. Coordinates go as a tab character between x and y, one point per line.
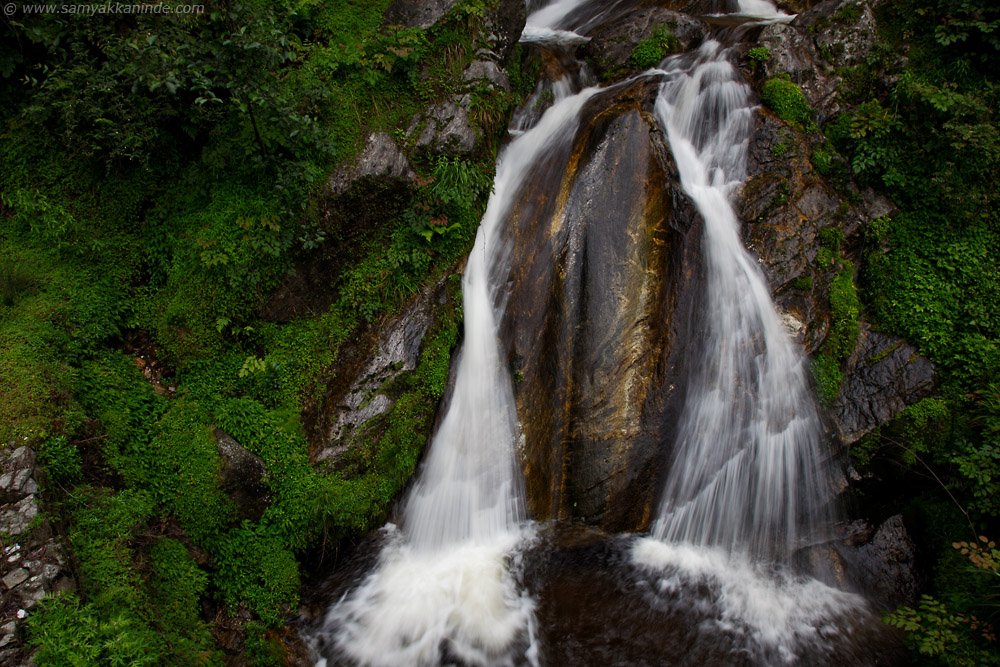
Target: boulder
417	13
354	395
446	127
881	563
380	159
244	478
598	314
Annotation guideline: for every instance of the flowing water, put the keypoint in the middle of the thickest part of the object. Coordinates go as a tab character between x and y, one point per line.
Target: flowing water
467	579
445	586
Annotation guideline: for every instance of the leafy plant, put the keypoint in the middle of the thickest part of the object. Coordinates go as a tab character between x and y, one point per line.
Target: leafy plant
787	100
650	51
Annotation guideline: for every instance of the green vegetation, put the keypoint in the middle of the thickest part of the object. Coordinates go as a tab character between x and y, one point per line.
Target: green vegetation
930	141
160	177
649	52
787	100
758	57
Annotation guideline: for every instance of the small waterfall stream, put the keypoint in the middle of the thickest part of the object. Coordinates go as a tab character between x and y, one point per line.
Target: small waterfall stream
748	485
747	474
467	579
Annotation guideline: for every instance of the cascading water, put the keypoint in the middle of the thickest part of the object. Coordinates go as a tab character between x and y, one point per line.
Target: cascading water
442	590
748	485
747	473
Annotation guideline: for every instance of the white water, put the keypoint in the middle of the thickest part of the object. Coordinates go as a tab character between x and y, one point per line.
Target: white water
761	9
748	484
747	471
444	582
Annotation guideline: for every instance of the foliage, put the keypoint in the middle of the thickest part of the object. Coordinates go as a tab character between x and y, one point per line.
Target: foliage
61	461
788	101
954	639
759	54
118	623
827	378
845	311
650	51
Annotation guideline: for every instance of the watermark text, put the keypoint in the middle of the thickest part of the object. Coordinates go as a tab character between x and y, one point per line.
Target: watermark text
89	9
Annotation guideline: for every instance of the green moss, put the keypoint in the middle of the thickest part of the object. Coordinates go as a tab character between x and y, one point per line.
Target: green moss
803	283
827	378
845	313
787	100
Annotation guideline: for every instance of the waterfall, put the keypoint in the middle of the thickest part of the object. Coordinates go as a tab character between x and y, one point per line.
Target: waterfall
747	471
443	589
747	488
747	485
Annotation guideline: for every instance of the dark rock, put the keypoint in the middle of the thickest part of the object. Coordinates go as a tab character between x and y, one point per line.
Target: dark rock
884	374
244	478
592	323
881	564
504	25
417	13
380	159
611	44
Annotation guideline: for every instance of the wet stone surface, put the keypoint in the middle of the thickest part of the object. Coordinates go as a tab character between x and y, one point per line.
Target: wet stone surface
883	376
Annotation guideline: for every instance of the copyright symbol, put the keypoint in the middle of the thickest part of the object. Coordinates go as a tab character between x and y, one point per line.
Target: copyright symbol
9	9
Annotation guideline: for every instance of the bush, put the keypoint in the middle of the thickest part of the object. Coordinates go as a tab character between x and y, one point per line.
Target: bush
652	50
787	100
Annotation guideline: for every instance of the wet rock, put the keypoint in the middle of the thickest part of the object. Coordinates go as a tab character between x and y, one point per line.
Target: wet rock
380	159
356	398
244	477
884	374
881	563
591	325
417	13
793	52
612	43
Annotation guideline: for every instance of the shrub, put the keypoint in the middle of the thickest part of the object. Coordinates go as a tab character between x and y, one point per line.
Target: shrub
650	51
787	100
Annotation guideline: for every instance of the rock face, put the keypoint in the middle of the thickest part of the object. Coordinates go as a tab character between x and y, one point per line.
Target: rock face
825	36
417	13
592	323
380	159
33	563
883	376
612	43
357	397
